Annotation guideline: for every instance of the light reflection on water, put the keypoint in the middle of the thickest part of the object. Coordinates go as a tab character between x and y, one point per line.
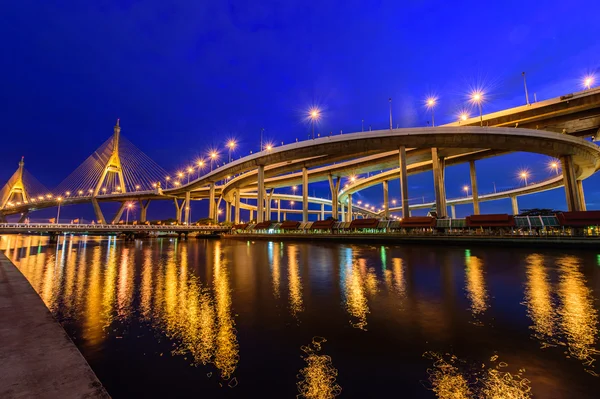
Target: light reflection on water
183	298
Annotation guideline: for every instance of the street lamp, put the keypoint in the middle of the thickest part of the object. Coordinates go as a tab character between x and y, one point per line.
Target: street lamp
294	188
137	187
200	166
466	188
67	193
554	165
167	182
292	204
190	170
463	117
80	192
588	81
314	115
59	199
129	206
213	157
231	145
269	147
523	174
431	105
477	98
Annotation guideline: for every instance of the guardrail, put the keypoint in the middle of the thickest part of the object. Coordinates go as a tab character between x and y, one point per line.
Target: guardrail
106	227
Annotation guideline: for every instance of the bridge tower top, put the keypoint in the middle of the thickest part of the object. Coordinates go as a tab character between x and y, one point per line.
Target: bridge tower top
14	190
113	165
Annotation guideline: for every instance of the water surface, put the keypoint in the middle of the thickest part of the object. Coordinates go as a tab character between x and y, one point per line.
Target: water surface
227	318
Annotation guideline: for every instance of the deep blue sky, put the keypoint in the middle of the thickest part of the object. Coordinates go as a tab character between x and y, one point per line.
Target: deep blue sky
184	78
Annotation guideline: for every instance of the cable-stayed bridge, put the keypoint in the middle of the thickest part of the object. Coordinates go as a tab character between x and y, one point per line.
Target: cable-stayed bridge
119	172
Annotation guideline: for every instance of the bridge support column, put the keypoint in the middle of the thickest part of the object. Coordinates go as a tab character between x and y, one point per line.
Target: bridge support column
228	212
386	199
144	211
251	215
119	213
515	205
334	186
260	210
322	211
178	209
278	210
343	215
570	181
438	183
453	211
188	204
98	212
349	219
236	217
304	194
474	190
269	200
211	201
24	217
582	205
284	216
403	181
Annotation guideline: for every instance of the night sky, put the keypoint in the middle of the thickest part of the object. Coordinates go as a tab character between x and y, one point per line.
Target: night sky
186	78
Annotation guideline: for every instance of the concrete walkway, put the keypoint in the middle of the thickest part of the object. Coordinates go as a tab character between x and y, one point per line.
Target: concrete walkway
37	358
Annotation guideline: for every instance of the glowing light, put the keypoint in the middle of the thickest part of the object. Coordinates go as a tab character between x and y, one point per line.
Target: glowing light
129	205
177	183
588	81
180	174
201	163
464	116
41	197
59	199
231	144
431	101
213	154
477	97
154	185
90	191
68	193
524	175
393	202
190	170
314	114
269	147
353	178
80	192
167	178
219	211
466	188
137	186
103	189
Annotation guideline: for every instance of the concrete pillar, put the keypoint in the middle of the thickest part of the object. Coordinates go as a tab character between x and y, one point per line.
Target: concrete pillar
119	213
439	188
343	216
251	214
582	205
269	203
386	200
228	211
98	212
260	214
349	208
278	210
570	181
211	201
284	216
304	194
237	206
188	203
334	186
515	205
474	188
453	211
403	181
322	211
144	211
178	209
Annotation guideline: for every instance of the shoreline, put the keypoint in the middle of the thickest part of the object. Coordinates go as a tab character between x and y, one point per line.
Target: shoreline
508	241
39	360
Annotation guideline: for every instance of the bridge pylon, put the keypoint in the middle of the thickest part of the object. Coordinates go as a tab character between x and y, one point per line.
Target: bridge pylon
113	165
14	190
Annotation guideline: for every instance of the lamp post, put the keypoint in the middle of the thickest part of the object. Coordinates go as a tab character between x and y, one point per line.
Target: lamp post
213	156
314	115
190	170
524	176
167	182
200	166
466	188
261	138
587	82
231	145
128	208
554	165
59	200
431	105
478	98
526	92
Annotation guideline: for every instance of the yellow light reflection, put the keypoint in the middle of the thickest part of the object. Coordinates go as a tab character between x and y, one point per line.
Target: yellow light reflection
538	299
294	281
578	316
475	285
318	378
359	281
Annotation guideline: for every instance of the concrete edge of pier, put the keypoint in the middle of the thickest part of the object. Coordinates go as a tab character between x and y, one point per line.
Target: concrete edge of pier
508	241
37	357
